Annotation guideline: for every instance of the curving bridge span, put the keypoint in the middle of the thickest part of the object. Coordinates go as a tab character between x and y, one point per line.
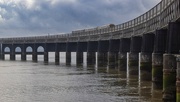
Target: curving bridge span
154	34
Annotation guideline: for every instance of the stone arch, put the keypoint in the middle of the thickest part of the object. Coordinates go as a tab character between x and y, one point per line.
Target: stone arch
29	49
7	49
40	49
18	49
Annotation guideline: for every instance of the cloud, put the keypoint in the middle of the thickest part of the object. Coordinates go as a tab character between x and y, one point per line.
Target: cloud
40	17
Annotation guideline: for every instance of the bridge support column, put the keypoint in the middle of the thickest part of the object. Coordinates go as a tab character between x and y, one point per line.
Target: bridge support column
103	48
146	57
135	48
91	58
113	52
12	54
34	55
169	78
122	57
46	56
157	58
23	54
169	62
79	58
178	79
68	58
2	55
102	59
57	58
111	60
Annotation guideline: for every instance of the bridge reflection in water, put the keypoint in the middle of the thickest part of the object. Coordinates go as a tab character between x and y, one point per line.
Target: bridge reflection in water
154	34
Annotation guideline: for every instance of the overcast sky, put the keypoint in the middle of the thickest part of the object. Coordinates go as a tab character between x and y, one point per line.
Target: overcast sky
40	17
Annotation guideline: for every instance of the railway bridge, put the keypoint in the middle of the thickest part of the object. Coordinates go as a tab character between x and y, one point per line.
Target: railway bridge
155	35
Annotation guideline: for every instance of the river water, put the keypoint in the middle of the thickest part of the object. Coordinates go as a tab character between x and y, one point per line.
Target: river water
36	82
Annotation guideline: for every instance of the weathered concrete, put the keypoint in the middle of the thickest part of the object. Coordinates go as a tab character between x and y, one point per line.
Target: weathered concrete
133	63
122	61
145	66
178	79
111	59
79	58
157	69
146	57
169	78
57	61
68	58
46	57
91	58
102	59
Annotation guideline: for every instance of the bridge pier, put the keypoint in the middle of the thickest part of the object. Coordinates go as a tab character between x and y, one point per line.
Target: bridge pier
57	61
113	50
102	57
23	53
12	54
157	57
91	58
57	55
122	57
169	62
92	47
79	58
46	56
34	54
178	79
135	48
68	58
146	57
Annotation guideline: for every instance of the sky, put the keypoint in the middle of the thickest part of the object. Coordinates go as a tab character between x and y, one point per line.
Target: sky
49	17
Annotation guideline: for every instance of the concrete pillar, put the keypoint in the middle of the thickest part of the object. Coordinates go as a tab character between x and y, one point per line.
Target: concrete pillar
111	59
135	48
103	48
169	78
157	58
178	79
79	58
91	58
122	57
23	53
169	62
102	59
122	61
113	50
133	63
34	54
57	61
68	58
46	56
146	57
12	53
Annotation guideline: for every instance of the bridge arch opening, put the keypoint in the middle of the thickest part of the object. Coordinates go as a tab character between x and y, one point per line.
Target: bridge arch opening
7	49
29	49
18	49
40	49
40	56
